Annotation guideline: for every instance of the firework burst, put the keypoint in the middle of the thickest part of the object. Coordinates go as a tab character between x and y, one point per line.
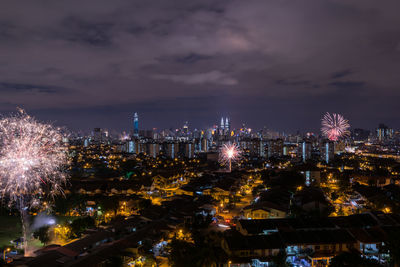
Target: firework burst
32	157
228	154
335	126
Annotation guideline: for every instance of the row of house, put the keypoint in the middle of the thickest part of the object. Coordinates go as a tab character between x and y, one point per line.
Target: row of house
280	203
307	241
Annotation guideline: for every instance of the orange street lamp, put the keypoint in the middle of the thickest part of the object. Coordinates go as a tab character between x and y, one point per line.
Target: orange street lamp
4	253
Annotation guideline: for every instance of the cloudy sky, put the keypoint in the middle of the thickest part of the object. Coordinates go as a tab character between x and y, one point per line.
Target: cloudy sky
279	64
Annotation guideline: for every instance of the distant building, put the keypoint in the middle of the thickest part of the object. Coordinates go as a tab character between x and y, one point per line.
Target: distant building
227	125
360	134
136	125
186	127
153	149
327	151
97	135
171	150
222	124
275	148
204	144
146	134
312	177
188	150
255	146
384	133
132	147
306	148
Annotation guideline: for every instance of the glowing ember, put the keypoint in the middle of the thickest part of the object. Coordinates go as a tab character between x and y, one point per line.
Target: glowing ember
335	126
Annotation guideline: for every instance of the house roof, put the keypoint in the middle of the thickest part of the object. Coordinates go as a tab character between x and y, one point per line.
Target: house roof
266	205
240	242
368	235
331	236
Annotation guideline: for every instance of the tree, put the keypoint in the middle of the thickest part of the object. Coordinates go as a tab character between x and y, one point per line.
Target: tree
334	196
42	234
114	261
143	204
109	204
280	259
181	253
203	254
78	226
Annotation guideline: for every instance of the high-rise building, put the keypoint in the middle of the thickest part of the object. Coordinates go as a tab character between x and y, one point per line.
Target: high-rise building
204	144
306	148
254	146
132	147
285	151
135	125
97	134
86	142
152	149
360	134
189	150
327	151
227	125
222	123
275	148
384	133
172	150
185	127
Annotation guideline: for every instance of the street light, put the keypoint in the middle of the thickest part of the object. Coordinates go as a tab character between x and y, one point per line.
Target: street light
229	263
4	253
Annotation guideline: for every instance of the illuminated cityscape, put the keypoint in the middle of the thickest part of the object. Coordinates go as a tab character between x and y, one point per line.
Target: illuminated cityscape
199	133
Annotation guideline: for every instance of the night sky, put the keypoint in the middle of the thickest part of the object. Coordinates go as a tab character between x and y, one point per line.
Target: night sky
279	64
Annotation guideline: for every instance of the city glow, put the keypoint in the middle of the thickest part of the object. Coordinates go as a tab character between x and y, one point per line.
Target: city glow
335	126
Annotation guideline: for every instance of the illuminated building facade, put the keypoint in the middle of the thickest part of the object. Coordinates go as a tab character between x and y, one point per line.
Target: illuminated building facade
135	125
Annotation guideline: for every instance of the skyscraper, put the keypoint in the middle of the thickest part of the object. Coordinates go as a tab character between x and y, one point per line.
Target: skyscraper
222	123
327	151
185	127
306	148
275	148
135	125
227	124
384	133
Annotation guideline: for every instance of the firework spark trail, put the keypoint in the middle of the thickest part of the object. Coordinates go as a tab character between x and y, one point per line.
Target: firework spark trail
335	126
32	157
228	154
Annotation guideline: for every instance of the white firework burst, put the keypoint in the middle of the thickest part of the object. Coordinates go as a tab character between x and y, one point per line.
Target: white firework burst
32	158
229	153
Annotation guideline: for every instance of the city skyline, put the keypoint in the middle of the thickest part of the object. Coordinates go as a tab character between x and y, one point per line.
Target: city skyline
129	125
279	64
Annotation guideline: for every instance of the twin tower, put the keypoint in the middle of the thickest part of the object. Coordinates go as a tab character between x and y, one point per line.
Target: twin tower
227	125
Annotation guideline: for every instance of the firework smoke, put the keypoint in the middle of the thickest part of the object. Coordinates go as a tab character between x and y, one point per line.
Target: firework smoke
228	154
335	126
32	157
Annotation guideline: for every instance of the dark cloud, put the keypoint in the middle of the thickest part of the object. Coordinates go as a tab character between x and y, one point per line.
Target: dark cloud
278	63
6	30
90	33
292	82
20	88
341	74
191	58
348	84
